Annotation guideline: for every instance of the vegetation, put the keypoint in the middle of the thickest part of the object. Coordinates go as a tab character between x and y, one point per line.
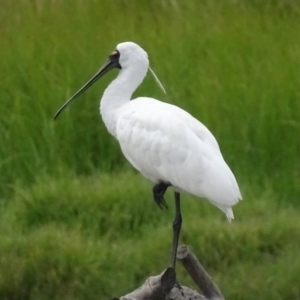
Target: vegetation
76	221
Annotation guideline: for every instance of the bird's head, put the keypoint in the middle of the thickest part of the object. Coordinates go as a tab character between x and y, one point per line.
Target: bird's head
131	54
126	56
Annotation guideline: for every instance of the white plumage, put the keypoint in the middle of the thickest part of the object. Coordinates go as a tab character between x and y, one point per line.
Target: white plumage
165	143
162	141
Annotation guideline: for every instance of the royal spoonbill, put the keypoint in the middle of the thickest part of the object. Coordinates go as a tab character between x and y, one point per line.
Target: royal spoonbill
163	142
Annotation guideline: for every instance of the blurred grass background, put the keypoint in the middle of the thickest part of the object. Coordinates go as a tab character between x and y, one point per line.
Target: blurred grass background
76	221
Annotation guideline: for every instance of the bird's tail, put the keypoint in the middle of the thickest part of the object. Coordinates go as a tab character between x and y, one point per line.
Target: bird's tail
227	210
229	213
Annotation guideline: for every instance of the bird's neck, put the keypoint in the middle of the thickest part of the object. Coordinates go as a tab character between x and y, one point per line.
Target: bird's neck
118	93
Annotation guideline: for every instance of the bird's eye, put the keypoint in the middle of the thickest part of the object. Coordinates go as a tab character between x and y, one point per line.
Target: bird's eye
115	55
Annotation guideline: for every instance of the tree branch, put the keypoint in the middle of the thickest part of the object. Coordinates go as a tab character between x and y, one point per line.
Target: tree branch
154	288
192	265
163	286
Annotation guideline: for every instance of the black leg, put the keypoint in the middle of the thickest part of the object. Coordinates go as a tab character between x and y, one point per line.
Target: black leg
176	229
158	194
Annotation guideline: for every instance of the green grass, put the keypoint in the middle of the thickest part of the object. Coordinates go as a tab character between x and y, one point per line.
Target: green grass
75	221
79	238
235	67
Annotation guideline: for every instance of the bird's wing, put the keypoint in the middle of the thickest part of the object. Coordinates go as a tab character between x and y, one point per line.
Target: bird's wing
197	127
165	144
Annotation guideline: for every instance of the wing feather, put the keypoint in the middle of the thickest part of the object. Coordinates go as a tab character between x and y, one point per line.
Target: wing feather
167	144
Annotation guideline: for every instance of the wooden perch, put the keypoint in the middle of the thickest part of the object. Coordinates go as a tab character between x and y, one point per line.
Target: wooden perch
197	272
164	287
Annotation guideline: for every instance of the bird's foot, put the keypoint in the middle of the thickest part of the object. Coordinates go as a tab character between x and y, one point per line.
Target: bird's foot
177	284
161	202
158	194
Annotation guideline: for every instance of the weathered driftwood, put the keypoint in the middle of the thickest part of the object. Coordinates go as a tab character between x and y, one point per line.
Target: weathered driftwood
164	287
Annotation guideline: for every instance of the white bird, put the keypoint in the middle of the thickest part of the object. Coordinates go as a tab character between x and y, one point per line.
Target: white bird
163	142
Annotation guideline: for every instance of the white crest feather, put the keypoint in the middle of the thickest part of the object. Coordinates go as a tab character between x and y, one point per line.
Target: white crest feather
157	80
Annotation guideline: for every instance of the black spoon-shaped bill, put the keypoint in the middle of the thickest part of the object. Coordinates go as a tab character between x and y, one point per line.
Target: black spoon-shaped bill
109	65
